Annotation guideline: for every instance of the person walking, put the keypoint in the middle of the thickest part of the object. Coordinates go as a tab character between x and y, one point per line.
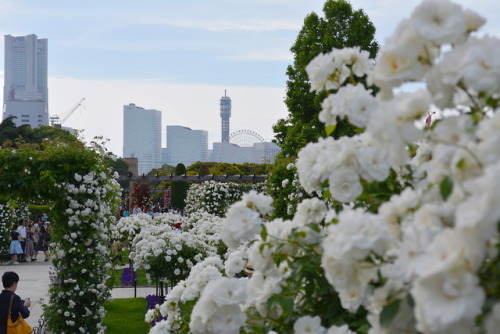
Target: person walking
8	298
15	245
29	249
21	229
43	243
34	230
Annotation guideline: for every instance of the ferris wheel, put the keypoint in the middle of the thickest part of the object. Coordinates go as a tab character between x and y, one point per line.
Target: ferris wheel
245	138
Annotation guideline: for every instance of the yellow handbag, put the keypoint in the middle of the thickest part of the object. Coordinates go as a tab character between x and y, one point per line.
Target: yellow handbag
19	326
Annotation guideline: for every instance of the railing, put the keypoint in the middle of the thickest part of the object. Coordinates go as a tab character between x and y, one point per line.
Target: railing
197	178
39	329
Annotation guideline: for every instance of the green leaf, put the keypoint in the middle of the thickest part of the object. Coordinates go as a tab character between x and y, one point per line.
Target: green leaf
286	303
330	128
315	228
261	247
326	194
263	233
446	187
389	312
492	102
412	149
410	301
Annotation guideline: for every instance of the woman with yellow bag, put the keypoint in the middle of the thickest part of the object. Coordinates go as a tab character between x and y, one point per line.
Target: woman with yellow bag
13	310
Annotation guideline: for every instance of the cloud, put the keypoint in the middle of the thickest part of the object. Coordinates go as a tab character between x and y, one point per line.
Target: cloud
262	55
228	25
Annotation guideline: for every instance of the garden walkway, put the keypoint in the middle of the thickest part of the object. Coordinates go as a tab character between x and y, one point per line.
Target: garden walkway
34	283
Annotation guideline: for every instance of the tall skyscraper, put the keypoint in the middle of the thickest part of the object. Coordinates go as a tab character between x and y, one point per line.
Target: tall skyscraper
142	136
25	93
225	114
186	146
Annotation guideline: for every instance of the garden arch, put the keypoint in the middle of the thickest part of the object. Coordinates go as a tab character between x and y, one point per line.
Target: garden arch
83	194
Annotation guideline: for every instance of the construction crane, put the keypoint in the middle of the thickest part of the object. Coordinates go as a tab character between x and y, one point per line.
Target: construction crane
57	122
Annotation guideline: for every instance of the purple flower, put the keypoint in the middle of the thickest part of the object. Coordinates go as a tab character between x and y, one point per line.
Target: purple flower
151	301
128	276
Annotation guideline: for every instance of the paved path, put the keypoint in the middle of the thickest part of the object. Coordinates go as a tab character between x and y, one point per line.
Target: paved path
34	283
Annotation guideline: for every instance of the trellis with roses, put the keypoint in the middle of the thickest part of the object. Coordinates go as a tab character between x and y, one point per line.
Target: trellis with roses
78	184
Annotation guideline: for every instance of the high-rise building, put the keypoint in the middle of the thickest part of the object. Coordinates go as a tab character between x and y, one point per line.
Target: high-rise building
25	93
225	114
258	153
142	137
186	146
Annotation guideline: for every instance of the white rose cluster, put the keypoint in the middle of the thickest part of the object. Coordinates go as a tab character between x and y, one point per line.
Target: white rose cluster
83	242
415	260
207	227
188	290
329	71
351	159
214	197
218	310
9	215
128	227
159	246
244	219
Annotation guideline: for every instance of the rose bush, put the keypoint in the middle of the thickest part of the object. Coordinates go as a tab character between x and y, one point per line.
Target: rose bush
215	197
168	245
10	214
401	232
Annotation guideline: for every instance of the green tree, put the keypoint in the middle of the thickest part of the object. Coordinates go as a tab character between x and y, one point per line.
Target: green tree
119	165
158	187
33	138
204	170
194	169
281	192
163	170
179	189
254	169
223	168
340	27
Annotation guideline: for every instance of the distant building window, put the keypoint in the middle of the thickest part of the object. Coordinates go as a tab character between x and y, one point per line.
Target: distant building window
25	116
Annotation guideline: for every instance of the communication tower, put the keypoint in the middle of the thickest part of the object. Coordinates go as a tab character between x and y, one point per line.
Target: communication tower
225	114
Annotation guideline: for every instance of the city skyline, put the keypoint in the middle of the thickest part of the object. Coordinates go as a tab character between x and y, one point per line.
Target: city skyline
169	57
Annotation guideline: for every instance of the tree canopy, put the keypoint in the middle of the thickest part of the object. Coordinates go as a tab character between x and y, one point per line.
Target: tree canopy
26	136
340	27
222	168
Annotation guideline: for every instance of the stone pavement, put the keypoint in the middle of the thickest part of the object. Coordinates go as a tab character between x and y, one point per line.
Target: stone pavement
34	284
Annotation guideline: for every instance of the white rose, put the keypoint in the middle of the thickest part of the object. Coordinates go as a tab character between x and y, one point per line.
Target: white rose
439	21
308	324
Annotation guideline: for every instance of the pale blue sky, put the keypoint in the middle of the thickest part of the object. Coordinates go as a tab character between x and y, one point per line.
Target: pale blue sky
206	42
179	56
